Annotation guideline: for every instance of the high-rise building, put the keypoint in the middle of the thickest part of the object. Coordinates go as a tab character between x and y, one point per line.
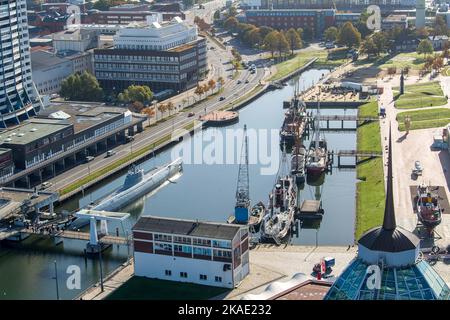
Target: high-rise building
18	96
420	14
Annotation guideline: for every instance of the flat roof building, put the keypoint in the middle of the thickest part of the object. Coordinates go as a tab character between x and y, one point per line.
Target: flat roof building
61	137
161	55
215	254
49	71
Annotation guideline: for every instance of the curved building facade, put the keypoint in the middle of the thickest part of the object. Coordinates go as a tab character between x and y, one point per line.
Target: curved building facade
18	96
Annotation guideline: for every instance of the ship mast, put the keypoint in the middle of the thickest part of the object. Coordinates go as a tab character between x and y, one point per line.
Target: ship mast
241	209
317	124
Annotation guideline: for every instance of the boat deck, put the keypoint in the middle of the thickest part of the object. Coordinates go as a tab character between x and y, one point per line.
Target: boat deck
442	197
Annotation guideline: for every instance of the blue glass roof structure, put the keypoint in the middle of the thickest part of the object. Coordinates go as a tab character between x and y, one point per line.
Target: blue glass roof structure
414	282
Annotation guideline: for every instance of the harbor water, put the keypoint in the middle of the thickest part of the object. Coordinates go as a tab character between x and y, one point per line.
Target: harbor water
204	191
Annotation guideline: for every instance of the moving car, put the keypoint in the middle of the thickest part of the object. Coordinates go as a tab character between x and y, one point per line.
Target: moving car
110	153
46	184
221	98
89	158
191	114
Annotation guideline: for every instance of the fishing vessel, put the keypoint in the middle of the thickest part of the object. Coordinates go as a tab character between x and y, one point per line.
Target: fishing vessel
429	211
317	158
280	211
294	121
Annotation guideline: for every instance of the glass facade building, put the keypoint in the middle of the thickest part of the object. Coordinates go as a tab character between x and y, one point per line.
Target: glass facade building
18	96
415	282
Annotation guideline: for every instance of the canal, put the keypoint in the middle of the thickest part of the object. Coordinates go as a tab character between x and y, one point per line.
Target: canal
205	191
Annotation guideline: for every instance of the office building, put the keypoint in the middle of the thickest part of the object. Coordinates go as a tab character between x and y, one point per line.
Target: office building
214	254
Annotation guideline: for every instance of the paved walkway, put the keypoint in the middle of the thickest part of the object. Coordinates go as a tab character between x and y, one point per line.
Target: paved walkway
111	283
406	150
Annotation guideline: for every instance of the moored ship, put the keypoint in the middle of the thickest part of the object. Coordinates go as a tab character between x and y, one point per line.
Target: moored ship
317	159
429	211
294	121
279	215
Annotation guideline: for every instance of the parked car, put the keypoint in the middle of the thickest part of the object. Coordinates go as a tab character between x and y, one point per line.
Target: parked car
46	184
418	169
110	153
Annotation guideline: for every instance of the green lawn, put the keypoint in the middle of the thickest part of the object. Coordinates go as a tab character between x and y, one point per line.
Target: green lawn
370	188
300	59
420	95
446	71
369	109
411	59
422	119
140	288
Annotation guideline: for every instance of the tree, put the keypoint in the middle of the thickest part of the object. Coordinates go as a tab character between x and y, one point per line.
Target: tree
282	44
170	106
440	26
368	47
380	42
422	33
134	93
231	24
425	47
149	111
81	87
306	33
293	39
438	63
361	25
254	37
331	34
271	41
199	90
349	35
211	85
264	31
220	81
162	108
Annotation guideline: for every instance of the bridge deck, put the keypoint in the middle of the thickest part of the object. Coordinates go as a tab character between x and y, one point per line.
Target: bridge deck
69	234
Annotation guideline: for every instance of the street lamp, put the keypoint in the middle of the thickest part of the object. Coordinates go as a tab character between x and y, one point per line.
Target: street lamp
101	267
56	281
